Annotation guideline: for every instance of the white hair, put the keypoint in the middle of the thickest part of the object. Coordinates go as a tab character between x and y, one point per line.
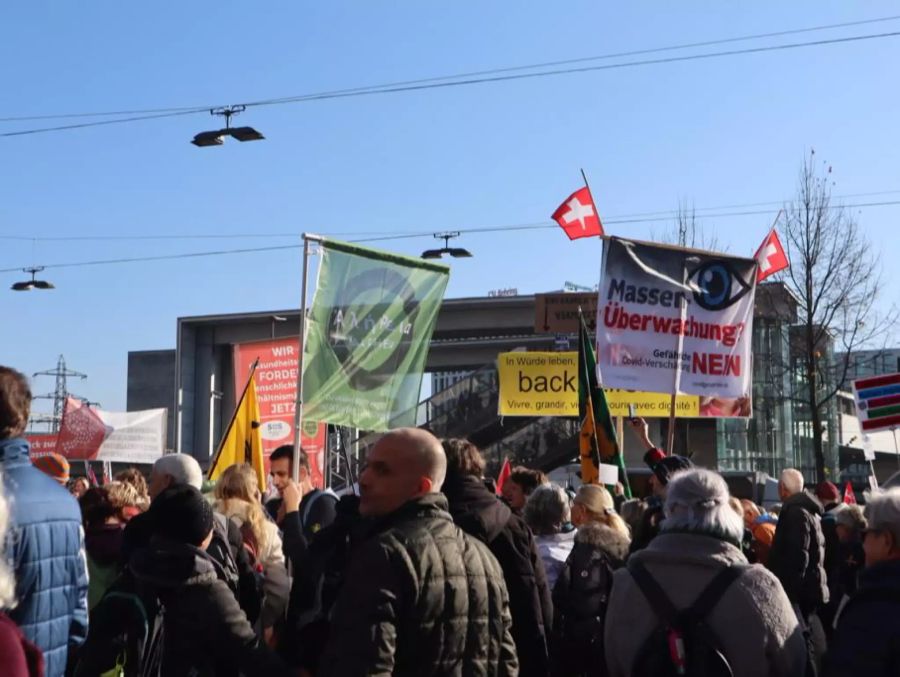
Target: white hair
7	576
182	468
547	509
791	481
850	516
697	500
883	512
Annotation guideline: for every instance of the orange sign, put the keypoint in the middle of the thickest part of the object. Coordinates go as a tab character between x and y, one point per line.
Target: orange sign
276	388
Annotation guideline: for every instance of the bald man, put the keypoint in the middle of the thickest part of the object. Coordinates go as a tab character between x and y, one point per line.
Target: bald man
421	597
798	554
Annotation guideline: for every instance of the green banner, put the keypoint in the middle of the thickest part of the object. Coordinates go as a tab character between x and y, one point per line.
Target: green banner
368	335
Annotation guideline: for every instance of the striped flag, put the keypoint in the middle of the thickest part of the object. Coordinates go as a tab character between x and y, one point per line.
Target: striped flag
878	402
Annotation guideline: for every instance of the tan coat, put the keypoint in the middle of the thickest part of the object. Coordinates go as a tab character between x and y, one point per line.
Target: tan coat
754	623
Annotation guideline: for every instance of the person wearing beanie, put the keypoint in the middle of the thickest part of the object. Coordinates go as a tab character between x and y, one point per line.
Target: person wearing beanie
581	592
752	620
53	464
204	630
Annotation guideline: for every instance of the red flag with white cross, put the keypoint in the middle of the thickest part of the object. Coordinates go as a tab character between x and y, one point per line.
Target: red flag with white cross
770	256
578	216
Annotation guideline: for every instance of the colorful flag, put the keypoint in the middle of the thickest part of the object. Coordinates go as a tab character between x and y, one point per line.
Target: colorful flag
243	439
505	472
878	402
369	332
81	431
597	443
91	475
770	256
849	496
577	215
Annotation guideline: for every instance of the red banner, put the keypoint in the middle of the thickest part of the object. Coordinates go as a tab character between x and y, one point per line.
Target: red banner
41	443
276	388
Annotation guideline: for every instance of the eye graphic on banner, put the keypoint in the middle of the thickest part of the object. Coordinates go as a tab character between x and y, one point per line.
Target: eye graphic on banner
713	284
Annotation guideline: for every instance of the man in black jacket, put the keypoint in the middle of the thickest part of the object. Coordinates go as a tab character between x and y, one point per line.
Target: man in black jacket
421	597
481	514
797	556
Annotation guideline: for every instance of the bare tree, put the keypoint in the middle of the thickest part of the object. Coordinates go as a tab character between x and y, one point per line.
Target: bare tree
687	232
835	276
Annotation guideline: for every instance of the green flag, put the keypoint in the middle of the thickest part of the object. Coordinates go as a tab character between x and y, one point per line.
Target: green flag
598	436
368	335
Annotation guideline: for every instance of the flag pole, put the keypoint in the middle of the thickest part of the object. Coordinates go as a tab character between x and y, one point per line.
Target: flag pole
237	408
593	201
670	442
298	411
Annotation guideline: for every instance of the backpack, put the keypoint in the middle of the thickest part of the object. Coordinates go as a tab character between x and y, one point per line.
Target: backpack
683	643
234	566
304	516
125	636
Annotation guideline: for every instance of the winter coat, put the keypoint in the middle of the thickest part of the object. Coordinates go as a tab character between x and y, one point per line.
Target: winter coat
797	556
18	656
237	511
753	622
103	544
205	633
421	598
580	599
481	514
554	550
45	546
867	639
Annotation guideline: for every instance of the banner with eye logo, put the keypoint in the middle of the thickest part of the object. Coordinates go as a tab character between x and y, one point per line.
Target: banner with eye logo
368	336
675	320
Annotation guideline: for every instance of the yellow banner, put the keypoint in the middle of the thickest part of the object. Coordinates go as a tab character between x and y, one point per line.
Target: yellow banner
546	384
538	384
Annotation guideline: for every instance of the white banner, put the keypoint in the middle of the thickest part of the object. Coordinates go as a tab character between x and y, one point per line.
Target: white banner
124	437
670	318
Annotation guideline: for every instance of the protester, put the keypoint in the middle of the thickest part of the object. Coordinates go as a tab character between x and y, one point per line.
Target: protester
481	514
301	510
136	478
867	639
204	630
761	526
105	512
421	597
77	486
632	511
582	590
749	620
18	656
53	465
45	540
548	514
238	498
797	557
844	567
519	485
828	494
747	538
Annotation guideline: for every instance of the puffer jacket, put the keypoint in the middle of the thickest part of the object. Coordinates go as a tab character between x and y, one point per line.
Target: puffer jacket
797	556
753	621
46	548
481	514
205	633
580	598
421	598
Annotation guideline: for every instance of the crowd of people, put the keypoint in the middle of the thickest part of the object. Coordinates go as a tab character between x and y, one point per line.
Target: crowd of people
429	572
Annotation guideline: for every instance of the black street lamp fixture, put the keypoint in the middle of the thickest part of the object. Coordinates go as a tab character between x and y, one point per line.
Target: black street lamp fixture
455	252
215	137
28	285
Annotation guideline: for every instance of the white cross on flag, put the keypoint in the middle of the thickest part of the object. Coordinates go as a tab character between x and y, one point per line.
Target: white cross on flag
770	256
578	216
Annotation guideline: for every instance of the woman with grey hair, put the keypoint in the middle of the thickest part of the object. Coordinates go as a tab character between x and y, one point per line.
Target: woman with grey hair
18	656
867	638
548	514
744	613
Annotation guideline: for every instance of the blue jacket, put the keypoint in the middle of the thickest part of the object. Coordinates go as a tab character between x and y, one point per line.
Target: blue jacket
45	546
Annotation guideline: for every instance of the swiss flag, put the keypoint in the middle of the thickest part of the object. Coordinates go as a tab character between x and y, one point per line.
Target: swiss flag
505	472
770	256
849	496
81	432
578	216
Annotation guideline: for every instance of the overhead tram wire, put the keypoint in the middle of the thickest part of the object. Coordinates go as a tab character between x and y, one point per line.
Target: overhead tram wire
432	84
493	71
379	238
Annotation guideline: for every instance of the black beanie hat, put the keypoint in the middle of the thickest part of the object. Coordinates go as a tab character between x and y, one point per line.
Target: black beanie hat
181	514
666	466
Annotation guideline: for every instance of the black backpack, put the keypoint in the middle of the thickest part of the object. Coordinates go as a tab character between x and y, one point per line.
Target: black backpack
682	644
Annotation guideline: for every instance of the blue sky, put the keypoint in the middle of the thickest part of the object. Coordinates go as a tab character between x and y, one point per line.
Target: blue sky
717	132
